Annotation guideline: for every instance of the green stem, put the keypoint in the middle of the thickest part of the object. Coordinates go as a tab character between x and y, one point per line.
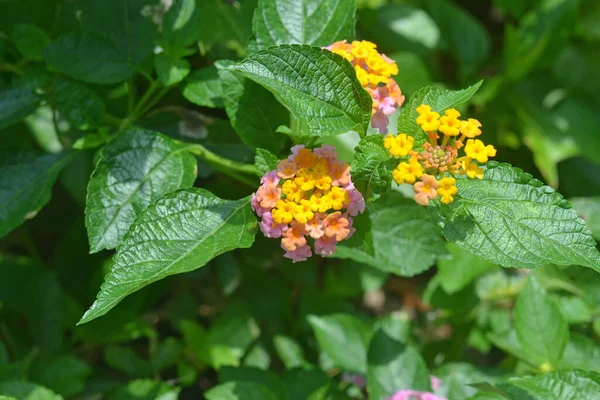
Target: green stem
155	100
111	119
11	68
225	165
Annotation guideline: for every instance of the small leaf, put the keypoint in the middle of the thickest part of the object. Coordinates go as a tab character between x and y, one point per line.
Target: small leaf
16	104
317	23
344	339
78	104
511	219
181	25
393	366
589	209
439	100
26	181
30	41
320	88
203	88
240	391
265	161
145	389
253	111
372	168
559	385
125	360
27	391
135	169
460	269
65	375
228	22
170	70
254	375
289	351
541	329
180	232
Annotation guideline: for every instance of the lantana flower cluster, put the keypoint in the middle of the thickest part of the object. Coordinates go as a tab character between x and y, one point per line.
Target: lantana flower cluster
417	395
421	168
310	197
374	71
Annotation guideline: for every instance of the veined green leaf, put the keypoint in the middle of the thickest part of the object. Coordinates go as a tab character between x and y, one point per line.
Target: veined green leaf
135	169
320	88
372	168
180	232
439	100
558	385
78	104
16	104
512	219
265	161
240	391
170	70
313	22
203	87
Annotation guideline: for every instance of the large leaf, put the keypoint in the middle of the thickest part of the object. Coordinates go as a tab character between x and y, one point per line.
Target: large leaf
26	181
393	366
253	111
439	100
30	40
372	168
135	169
16	104
344	338
180	232
265	161
559	385
541	329
512	219
314	22
78	104
320	88
404	239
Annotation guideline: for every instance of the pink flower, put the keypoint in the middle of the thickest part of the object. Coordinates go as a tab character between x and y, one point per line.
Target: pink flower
336	226
300	254
294	150
380	121
435	382
270	177
256	207
268	195
269	228
326	151
415	395
357	201
314	227
325	246
293	237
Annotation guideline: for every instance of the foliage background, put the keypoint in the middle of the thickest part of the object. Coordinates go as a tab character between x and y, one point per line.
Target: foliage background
251	311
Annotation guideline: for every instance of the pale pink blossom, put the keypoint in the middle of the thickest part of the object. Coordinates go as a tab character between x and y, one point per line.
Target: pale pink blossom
269	228
270	177
357	201
300	254
325	246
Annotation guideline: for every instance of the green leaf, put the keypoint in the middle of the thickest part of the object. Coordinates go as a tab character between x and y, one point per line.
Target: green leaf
145	389
203	87
170	70
320	88
180	232
581	352
225	22
16	104
289	351
404	239
30	41
265	161
88	58
135	169
27	391
26	181
512	219
181	25
588	208
78	104
344	339
125	360
167	353
65	375
393	366
439	100
559	385
460	269
372	168
415	72
314	22
254	375
541	329
240	391
253	111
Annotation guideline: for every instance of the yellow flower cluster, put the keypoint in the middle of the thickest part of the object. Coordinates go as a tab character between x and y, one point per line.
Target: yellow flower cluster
372	68
439	159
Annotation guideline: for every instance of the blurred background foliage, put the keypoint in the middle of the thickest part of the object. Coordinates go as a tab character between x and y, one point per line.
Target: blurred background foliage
249	309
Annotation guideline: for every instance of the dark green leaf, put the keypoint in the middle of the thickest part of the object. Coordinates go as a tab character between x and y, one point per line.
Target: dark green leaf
135	169
240	391
254	375
265	161
125	360
30	40
170	70
167	353
203	88
314	22
372	168
180	232
320	88
16	104
511	219
225	22
27	391
78	104
26	181
145	389
181	25
66	375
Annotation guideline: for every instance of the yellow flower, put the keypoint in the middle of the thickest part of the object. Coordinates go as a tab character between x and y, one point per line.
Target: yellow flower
407	172
400	145
319	203
471	128
303	212
477	150
338	198
471	169
423	109
362	75
429	121
450	124
447	189
323	183
284	212
360	49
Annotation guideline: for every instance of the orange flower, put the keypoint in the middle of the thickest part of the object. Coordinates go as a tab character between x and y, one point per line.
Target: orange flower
336	226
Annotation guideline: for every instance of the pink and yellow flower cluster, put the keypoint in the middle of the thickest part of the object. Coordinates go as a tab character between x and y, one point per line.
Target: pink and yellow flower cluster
374	71
308	198
421	168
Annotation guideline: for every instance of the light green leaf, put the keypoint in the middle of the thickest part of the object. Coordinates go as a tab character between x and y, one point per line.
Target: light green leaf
289	351
457	380
170	70
203	87
27	391
180	232
581	352
393	366
541	329
415	73
372	168
265	161
240	391
344	338
589	209
30	40
313	22
78	104
145	389
512	219
460	269
320	88
253	111
135	169
405	241
559	385
16	104
26	181
439	100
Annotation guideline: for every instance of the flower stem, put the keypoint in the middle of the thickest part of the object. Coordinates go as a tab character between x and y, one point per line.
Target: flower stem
225	165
